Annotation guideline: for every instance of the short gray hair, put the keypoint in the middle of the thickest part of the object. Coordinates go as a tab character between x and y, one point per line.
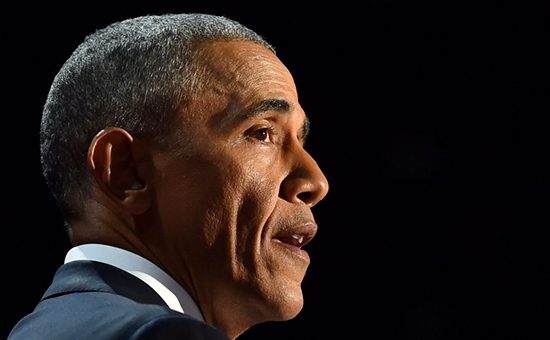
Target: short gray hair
135	74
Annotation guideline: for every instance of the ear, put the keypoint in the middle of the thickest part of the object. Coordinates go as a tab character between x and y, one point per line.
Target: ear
114	164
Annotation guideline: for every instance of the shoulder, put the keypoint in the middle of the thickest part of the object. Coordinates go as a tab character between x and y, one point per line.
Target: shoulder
107	316
95	301
148	322
115	316
174	326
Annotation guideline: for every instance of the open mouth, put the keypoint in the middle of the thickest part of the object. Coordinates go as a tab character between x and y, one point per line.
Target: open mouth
295	240
295	237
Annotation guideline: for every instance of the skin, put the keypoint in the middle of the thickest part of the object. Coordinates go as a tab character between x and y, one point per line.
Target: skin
218	217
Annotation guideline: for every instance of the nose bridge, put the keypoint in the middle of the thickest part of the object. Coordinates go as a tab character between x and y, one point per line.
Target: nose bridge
305	182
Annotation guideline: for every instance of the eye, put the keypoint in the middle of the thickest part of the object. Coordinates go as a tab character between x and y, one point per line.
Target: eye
263	135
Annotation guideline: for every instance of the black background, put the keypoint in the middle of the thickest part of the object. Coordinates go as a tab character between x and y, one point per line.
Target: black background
429	119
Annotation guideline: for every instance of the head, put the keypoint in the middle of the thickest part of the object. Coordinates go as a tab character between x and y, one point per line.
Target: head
138	75
191	153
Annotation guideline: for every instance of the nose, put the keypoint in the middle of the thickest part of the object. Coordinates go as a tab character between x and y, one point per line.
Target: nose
305	183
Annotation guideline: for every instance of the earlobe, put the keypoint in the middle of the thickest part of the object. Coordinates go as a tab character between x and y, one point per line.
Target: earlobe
114	166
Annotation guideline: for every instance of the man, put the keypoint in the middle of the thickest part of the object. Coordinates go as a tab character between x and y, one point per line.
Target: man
174	147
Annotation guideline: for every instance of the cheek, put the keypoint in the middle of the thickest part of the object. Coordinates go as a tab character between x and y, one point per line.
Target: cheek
188	191
253	208
234	228
227	203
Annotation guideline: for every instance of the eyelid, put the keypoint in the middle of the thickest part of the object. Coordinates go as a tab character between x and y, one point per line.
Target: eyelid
270	123
259	127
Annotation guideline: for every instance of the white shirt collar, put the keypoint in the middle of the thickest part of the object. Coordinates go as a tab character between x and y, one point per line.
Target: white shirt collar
169	290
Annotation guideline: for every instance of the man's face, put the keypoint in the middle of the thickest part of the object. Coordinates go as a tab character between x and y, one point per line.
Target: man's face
235	210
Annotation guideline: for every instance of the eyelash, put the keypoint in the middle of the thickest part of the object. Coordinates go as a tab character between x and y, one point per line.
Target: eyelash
258	134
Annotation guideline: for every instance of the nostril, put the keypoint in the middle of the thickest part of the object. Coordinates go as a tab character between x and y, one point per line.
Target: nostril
305	197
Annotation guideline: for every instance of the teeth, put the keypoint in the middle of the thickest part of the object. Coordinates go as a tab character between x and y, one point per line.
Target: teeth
298	238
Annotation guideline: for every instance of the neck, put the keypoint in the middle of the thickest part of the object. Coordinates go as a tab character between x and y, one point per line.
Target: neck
220	307
230	312
109	227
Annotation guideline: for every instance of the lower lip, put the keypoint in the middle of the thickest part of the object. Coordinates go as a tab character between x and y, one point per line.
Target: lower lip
300	253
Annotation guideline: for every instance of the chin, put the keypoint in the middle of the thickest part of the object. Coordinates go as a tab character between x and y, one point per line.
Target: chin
286	305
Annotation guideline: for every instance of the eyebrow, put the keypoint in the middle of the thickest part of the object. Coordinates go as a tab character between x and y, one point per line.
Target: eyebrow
277	105
268	105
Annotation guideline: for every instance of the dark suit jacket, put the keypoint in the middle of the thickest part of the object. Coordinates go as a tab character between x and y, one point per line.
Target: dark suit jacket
90	300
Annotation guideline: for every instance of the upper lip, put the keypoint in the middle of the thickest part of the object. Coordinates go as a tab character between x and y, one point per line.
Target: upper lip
297	235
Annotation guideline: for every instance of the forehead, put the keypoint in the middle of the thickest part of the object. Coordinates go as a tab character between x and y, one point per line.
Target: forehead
248	71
